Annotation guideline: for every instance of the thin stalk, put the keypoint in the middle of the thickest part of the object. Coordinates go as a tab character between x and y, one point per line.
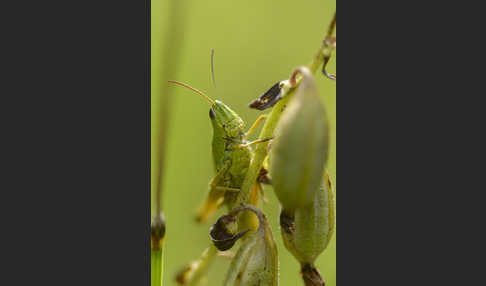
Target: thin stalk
202	265
274	116
161	114
172	47
157	235
156	267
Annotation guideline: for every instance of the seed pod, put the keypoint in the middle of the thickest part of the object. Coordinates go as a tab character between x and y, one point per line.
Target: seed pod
223	232
300	148
256	262
307	232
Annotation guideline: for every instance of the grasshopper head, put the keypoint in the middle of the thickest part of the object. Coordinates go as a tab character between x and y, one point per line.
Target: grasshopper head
226	120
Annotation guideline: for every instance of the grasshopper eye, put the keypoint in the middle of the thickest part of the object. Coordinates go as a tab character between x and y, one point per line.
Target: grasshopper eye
212	115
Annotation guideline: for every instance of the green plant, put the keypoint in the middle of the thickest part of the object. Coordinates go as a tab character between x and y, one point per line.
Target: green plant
161	107
236	234
314	198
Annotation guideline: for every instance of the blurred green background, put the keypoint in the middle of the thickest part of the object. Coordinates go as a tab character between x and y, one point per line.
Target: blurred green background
257	43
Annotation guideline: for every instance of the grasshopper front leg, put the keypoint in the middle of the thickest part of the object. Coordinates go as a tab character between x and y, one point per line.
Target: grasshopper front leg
252	129
255	125
215	197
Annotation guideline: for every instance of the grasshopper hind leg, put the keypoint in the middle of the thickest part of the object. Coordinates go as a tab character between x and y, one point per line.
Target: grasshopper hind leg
213	202
215	197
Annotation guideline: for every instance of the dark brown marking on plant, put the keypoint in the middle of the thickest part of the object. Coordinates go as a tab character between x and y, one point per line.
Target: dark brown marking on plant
222	238
268	99
157	232
332	26
239	276
212	115
328	182
293	77
326	74
199	219
311	276
181	276
329	43
287	222
263	177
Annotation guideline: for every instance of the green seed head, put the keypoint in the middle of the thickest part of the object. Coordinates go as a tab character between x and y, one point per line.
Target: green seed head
307	231
300	148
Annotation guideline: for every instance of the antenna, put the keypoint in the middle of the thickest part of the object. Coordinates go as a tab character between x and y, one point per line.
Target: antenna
193	89
212	70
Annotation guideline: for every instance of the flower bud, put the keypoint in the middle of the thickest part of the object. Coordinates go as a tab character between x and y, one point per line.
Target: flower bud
307	231
300	148
256	262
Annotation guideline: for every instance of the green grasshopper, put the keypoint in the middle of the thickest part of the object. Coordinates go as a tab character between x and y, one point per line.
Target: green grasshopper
231	152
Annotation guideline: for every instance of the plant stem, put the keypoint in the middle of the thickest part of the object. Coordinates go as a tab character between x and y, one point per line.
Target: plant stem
157	234
156	267
261	217
160	113
203	264
274	116
172	47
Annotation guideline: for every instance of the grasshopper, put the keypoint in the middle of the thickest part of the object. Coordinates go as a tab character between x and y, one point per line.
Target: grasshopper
231	152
